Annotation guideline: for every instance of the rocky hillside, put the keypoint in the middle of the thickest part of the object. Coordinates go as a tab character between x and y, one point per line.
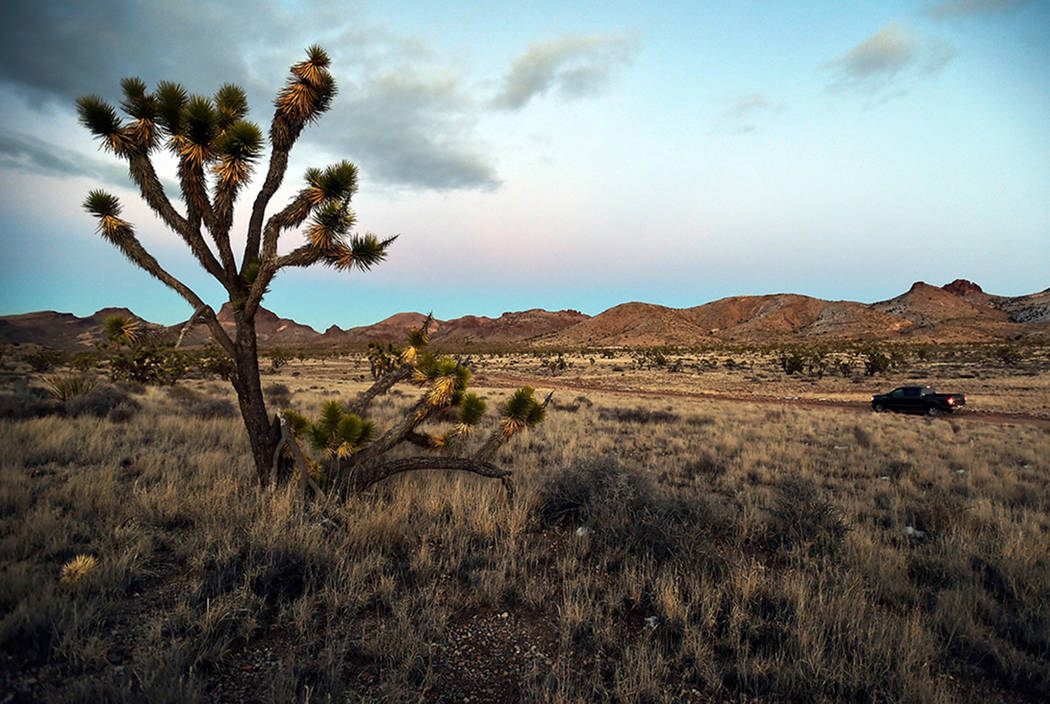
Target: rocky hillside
959	311
60	330
269	329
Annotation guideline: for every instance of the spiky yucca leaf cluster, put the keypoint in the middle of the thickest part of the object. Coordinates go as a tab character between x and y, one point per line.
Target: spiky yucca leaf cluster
448	379
200	130
64	387
77	569
521	411
326	200
336	433
106	209
306	96
122	330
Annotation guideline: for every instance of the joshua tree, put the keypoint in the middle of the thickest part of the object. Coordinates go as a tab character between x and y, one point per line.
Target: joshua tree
216	149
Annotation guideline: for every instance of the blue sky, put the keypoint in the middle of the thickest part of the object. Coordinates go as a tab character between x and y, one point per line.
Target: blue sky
567	155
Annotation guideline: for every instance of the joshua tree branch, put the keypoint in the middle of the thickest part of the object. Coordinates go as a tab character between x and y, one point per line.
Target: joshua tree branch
191	180
380	387
499	437
222	220
274	176
138	254
396	434
388	380
145	176
304	255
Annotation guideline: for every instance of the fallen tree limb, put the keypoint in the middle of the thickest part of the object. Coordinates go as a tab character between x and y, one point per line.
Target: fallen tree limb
365	477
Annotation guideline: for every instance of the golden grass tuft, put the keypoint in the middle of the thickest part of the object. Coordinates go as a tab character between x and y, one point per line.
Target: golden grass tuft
74	571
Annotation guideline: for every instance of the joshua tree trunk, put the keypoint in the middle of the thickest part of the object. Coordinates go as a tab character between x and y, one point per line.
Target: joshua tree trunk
263	433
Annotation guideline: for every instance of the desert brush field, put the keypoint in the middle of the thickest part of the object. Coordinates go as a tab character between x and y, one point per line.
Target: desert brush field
688	526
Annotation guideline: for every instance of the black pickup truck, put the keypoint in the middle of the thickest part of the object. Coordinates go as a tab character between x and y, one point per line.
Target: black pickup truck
917	399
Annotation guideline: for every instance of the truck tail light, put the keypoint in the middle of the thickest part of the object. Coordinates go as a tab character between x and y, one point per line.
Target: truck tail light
951	401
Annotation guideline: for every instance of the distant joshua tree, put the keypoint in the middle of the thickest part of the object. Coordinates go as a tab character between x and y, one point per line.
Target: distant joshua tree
217	149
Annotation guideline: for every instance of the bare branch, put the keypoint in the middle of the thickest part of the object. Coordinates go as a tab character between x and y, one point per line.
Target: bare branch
367	476
304	255
381	386
193	320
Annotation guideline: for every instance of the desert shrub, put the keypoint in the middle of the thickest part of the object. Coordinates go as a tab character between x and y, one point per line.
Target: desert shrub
131	387
84	361
897	469
792	363
862	436
623	509
43	359
28	403
278	358
802	515
1008	355
937	512
875	362
148	365
699	421
209	408
641	416
278	395
98	402
705	465
124	411
213	360
183	395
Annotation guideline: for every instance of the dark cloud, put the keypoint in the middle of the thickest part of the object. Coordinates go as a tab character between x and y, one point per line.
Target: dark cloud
23	152
573	65
54	52
411	128
879	61
961	8
744	112
60	50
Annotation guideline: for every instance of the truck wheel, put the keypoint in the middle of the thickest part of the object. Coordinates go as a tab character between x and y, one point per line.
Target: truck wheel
933	411
879	408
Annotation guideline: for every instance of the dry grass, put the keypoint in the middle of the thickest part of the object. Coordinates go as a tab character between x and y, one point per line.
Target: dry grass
662	551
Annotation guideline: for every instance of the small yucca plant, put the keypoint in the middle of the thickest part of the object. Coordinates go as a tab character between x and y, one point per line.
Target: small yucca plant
67	386
74	571
336	433
521	411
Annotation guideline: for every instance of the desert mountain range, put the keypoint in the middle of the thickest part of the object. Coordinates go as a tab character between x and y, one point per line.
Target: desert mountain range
957	312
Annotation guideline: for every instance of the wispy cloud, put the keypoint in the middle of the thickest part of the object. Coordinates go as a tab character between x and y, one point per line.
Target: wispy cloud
880	61
745	112
574	66
962	8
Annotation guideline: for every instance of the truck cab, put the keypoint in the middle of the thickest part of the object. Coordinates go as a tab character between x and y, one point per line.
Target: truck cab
917	399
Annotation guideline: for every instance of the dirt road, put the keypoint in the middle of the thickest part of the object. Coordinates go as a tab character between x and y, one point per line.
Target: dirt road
565	384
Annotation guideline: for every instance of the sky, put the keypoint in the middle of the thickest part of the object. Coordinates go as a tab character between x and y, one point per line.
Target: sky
563	154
